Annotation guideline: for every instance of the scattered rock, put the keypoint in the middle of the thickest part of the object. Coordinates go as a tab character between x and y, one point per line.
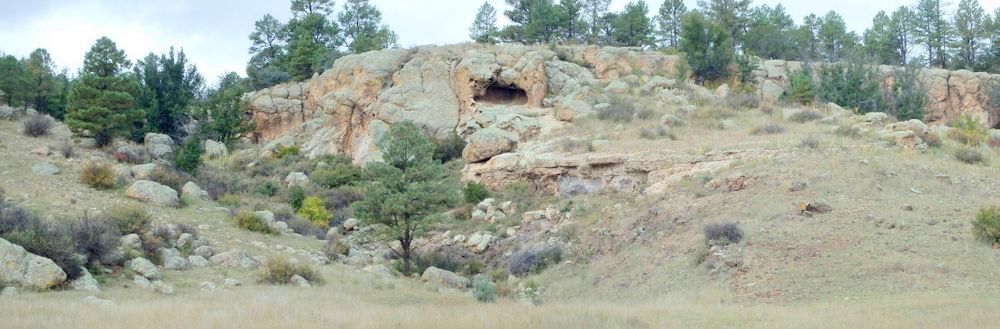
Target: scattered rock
908	207
153	193
215	150
163	288
530	216
207	286
144	268
159	146
143	171
811	208
445	278
23	269
193	191
99	302
85	282
297	179
236	258
45	169
230	282
141	281
205	251
198	261
300	282
381	270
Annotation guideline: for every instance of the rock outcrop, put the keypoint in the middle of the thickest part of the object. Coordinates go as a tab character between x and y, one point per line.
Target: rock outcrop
23	269
153	193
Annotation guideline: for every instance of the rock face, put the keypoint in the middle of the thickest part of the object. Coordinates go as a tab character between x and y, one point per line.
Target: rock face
23	269
153	193
951	93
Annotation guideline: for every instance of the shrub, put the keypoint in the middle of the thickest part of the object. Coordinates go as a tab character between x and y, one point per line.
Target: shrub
805	116
98	176
848	131
230	200
738	100
97	239
810	142
282	151
909	97
336	175
129	219
577	145
335	246
722	233
768	129
314	209
39	237
657	133
475	192
218	182
969	155
305	227
533	260
801	88
969	131
986	226
296	194
188	157
622	109
449	148
267	188
341	197
67	150
932	139
279	270
483	289
37	126
251	222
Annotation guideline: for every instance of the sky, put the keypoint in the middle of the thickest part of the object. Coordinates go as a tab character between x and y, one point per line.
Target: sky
214	33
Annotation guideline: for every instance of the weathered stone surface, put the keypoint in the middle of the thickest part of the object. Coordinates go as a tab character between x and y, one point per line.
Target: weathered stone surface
236	258
143	171
45	169
444	278
486	143
215	150
193	191
23	269
153	193
198	261
380	270
85	282
145	268
159	146
297	179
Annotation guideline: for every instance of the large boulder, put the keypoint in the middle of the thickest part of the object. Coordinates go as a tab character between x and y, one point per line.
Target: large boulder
23	269
215	149
444	278
193	191
143	171
85	282
487	143
153	193
159	146
144	268
236	258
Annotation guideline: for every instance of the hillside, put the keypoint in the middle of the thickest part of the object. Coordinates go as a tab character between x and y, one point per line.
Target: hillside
847	220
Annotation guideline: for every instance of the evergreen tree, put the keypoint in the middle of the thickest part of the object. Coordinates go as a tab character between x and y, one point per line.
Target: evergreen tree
993	48
405	190
770	33
306	7
484	28
363	28
707	48
970	29
572	25
933	30
633	27
543	18
669	22
902	30
267	46
222	114
729	15
801	88
909	96
833	35
169	84
807	37
594	12
41	83
101	101
852	84
312	38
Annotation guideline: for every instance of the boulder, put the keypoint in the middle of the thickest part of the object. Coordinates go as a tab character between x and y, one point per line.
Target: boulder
145	268
6	113
163	288
153	193
198	261
185	240
297	179
236	258
159	146
215	150
230	282
487	143
204	251
771	91
143	171
130	242
172	259
875	117
8	291
380	270
85	282
141	281
723	91
299	281
98	302
45	169
193	191
571	109
23	269
207	286
434	275
351	224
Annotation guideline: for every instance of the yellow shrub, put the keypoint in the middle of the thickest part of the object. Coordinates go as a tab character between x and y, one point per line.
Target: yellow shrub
98	176
315	211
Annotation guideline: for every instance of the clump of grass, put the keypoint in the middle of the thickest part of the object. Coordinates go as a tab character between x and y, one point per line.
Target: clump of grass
932	139
99	176
969	155
253	223
483	289
986	226
576	145
848	131
67	150
805	116
279	270
534	260
657	133
622	109
722	233
282	151
739	100
130	219
768	129
37	126
969	131
810	142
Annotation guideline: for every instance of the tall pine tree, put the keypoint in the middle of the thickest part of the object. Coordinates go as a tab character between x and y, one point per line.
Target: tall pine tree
101	102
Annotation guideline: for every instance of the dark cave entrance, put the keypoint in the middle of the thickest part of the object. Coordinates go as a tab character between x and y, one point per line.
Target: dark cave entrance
503	95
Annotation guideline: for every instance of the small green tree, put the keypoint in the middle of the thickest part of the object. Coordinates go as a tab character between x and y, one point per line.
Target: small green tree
222	115
363	28
801	88
405	190
188	157
101	102
484	28
707	48
909	95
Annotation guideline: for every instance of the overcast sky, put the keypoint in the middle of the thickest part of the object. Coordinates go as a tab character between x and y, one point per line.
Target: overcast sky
213	33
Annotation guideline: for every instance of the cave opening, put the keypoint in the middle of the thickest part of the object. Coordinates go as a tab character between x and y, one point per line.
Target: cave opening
503	95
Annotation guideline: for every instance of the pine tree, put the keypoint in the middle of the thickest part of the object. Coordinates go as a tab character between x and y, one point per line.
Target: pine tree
833	35
633	27
222	115
405	190
41	83
571	24
970	29
707	48
902	30
593	14
878	40
771	33
169	84
484	28
933	30
729	15
101	102
669	22
363	28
